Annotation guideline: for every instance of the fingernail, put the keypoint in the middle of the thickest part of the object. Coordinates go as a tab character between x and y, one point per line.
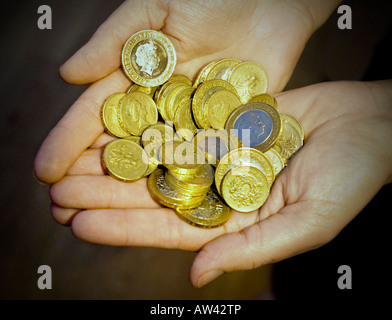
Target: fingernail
208	277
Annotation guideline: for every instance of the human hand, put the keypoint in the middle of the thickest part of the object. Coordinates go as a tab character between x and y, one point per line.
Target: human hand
345	160
270	33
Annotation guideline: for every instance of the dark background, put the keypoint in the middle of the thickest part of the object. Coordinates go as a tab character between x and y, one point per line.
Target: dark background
33	98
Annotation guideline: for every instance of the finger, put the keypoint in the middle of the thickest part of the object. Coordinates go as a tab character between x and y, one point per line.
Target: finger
62	215
102	140
77	130
295	229
89	163
148	227
95	192
102	53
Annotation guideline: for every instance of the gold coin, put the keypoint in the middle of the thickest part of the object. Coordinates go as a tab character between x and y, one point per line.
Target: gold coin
202	93
249	79
219	106
137	112
215	144
168	197
152	166
178	101
203	73
276	160
265	97
211	213
244	156
125	160
294	122
169	102
148	90
149	58
221	68
109	115
195	185
181	157
245	188
288	142
183	121
175	86
256	124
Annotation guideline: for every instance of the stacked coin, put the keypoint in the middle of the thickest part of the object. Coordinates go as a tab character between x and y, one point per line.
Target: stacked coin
176	132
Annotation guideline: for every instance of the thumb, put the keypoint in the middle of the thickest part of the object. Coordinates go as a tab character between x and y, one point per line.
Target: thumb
102	53
296	228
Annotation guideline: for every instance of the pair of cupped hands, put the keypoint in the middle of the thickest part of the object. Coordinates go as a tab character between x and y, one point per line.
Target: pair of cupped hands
346	158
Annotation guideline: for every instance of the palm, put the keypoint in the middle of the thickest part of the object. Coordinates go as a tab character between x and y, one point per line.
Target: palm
270	33
240	31
310	202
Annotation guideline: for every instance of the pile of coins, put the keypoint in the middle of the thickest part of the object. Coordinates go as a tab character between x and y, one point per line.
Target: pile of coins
207	146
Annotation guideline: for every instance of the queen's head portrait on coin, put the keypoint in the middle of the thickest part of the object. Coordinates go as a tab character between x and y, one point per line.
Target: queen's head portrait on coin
147	58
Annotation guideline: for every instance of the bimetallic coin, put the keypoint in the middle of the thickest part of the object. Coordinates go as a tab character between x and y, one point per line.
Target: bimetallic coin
149	58
137	112
278	163
244	156
294	122
219	106
249	79
161	193
288	142
109	116
265	97
183	121
181	157
211	213
245	188
256	124
125	160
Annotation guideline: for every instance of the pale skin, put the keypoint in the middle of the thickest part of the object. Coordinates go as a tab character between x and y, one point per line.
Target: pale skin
346	158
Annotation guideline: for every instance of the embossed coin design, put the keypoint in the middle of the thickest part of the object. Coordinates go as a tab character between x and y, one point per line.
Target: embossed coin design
137	112
257	125
211	213
125	160
288	142
149	58
245	188
249	79
244	156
